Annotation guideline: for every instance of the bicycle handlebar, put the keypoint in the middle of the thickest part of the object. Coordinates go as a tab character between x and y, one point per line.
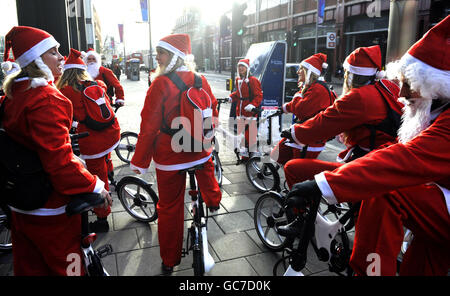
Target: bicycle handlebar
78	136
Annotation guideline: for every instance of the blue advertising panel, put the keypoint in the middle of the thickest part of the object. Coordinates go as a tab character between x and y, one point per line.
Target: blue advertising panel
267	63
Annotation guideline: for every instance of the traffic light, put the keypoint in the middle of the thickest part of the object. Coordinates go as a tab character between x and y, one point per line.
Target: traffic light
295	35
238	19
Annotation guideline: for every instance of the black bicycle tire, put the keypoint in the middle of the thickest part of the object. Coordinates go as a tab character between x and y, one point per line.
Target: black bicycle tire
217	167
259	228
273	170
143	184
117	149
4	246
198	260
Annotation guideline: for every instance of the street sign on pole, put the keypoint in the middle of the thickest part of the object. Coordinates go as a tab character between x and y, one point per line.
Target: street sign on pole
331	40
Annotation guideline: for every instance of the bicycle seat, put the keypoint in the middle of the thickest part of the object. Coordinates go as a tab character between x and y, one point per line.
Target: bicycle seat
193	169
83	202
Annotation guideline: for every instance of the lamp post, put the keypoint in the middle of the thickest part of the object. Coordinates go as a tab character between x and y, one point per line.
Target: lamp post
150	36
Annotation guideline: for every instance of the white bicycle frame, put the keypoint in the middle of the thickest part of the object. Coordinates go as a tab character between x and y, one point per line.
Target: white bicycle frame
208	261
325	232
87	261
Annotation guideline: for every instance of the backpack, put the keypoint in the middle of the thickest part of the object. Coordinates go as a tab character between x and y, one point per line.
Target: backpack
390	124
23	182
99	113
196	115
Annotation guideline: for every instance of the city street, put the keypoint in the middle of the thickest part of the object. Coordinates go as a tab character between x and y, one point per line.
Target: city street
233	241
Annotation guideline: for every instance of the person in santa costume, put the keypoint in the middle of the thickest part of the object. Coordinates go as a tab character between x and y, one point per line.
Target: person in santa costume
38	116
359	116
96	148
314	96
247	97
406	184
94	67
162	105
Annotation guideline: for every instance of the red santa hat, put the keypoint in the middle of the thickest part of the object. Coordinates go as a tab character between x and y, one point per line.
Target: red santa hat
27	44
315	63
245	63
364	61
74	61
178	44
426	65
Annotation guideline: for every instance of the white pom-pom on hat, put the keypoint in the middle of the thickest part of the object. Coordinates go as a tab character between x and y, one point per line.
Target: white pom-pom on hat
10	67
324	65
6	66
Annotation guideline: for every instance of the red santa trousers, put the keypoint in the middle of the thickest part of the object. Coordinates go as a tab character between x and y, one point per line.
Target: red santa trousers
100	167
248	125
282	153
170	207
379	229
299	170
42	244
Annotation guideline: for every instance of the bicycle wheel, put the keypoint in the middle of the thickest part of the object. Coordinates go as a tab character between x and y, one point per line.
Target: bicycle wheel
126	147
263	176
218	170
138	198
269	213
5	234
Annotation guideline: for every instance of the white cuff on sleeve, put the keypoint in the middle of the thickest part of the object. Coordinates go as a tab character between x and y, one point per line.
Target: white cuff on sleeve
99	185
293	135
284	108
327	193
141	170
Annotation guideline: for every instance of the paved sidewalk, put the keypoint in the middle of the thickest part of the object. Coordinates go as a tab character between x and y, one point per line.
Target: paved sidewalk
233	241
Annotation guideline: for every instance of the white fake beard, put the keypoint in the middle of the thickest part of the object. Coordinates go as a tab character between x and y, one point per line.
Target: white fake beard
415	118
93	69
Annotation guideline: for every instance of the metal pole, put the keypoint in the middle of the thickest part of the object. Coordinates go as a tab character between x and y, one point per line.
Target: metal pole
150	35
317	27
402	28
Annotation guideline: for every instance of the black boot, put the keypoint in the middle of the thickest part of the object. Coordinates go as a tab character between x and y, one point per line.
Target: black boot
292	229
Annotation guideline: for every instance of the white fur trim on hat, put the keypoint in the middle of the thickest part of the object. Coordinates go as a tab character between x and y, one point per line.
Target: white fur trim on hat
75	66
432	83
171	48
365	71
310	67
36	51
243	64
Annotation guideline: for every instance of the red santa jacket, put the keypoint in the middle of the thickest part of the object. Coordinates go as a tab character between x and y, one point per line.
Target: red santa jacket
242	95
40	118
424	159
315	99
108	77
98	143
163	103
350	114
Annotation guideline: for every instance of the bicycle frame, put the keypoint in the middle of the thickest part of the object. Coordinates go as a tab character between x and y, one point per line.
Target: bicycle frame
324	233
198	228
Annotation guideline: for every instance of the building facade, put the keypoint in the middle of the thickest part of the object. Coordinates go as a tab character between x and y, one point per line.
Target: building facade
354	23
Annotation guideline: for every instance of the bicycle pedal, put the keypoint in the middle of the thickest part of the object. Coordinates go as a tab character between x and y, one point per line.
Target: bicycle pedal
104	251
184	253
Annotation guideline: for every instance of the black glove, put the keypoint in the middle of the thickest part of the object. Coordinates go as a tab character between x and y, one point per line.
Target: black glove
287	134
303	194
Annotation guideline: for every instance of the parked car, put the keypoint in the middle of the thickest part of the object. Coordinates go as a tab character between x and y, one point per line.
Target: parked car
291	80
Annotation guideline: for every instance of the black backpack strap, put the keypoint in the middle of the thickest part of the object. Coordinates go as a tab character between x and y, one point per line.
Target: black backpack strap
179	83
331	95
390	123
